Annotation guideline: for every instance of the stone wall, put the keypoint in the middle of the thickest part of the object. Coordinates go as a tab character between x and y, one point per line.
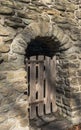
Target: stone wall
20	22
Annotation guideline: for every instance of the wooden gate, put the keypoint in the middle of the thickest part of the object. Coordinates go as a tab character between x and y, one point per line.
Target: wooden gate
41	85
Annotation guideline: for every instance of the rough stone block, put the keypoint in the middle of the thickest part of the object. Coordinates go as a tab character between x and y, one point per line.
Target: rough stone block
14	5
55	31
4	48
73	56
2	118
18	49
78	14
65	39
5	58
59	19
74	81
6	10
75	120
74	65
14	24
79	80
79	72
11	66
2	76
10	75
27	15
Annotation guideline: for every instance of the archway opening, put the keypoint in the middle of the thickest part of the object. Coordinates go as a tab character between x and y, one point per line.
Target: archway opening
41	70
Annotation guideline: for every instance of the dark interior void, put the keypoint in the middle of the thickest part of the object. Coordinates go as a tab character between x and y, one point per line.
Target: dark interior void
42	46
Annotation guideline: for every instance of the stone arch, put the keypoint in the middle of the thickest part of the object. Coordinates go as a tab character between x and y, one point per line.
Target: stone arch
44	29
41	29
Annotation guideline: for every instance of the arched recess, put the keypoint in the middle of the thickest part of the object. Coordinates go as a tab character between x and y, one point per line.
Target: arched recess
31	32
39	30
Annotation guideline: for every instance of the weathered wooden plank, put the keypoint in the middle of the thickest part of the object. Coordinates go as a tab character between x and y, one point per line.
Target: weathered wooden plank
27	77
40	85
53	84
36	61
28	83
32	87
47	76
36	102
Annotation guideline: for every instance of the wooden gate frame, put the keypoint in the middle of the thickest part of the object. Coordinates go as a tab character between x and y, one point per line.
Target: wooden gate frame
41	85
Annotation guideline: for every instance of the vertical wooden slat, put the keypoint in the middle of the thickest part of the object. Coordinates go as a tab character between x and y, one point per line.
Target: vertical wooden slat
27	73
53	77
47	76
40	85
27	84
32	87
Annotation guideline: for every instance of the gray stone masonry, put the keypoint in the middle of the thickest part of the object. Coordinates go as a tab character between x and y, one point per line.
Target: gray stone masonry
22	21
